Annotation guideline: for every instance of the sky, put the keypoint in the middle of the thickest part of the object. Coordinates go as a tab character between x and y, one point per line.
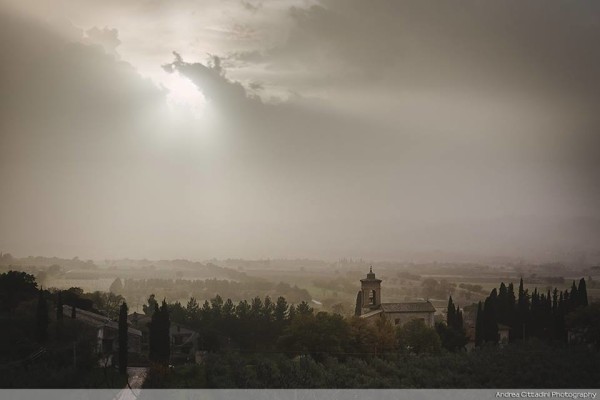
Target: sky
318	129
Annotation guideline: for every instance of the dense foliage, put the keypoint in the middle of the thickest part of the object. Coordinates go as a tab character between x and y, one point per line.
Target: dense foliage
160	343
523	365
39	348
528	315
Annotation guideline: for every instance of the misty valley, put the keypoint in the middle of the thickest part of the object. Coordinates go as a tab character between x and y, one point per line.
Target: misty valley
297	324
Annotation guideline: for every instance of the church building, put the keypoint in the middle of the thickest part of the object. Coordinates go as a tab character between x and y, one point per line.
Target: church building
369	305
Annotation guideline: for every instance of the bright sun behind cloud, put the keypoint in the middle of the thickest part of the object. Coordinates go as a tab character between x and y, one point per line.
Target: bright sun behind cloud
183	93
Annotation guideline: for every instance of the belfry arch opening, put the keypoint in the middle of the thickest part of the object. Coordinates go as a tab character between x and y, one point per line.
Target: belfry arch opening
372	297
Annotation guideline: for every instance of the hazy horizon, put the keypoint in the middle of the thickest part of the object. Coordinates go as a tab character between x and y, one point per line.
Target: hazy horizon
299	129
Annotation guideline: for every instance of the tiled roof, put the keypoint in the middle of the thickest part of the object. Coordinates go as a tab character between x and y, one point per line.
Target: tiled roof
419	306
371	313
96	320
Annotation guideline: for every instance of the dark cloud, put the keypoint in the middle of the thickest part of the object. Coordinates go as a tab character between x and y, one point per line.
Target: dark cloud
541	46
212	82
251	6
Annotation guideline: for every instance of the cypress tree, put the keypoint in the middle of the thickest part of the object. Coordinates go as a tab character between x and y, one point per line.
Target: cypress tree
160	339
153	331
522	312
503	305
573	297
165	334
489	324
358	307
513	318
511	295
451	314
582	293
41	326
123	338
59	307
521	293
479	325
59	315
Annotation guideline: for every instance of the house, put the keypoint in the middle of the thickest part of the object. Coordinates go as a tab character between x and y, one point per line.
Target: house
369	305
107	331
140	322
503	334
471	336
184	341
184	344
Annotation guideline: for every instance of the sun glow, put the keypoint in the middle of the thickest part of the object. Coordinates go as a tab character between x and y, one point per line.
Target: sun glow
183	93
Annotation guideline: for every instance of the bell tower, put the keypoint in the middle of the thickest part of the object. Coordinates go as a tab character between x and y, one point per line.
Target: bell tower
371	291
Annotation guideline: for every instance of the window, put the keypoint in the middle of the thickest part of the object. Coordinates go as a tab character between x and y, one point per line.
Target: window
397	321
372	297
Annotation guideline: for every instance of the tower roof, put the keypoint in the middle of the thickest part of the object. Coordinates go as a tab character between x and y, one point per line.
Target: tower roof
371	277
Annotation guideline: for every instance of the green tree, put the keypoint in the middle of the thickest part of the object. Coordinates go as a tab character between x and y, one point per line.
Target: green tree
281	309
317	335
385	336
416	337
452	339
363	335
192	309
304	309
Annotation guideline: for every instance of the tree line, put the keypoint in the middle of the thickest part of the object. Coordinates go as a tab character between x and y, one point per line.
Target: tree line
528	315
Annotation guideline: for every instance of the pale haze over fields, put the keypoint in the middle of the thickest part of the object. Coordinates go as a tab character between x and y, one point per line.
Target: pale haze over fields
299	128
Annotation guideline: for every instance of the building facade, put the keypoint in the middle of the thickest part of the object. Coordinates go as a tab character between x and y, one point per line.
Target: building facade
369	305
107	331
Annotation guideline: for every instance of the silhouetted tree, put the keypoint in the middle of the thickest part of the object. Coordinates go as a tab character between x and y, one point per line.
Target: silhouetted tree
41	326
123	338
160	341
573	297
452	334
15	287
479	325
59	307
490	325
151	307
450	314
116	287
582	293
304	309
281	309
